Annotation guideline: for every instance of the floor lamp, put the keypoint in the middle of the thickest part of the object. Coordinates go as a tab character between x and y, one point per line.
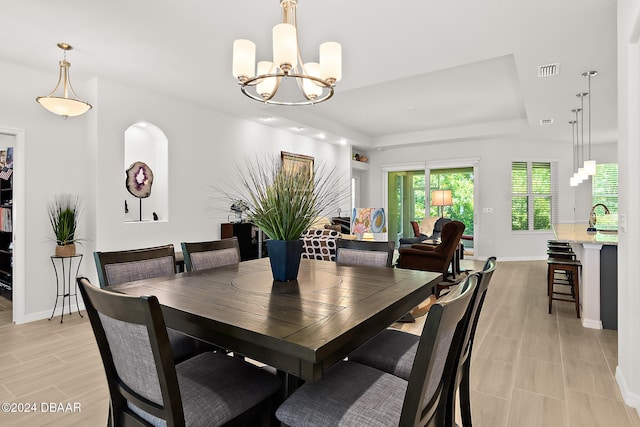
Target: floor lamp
441	198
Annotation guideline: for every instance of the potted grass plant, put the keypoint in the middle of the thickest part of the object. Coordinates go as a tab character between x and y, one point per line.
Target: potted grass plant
284	202
64	211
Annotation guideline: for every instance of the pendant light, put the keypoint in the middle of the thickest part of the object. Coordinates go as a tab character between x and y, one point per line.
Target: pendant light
581	170
589	165
573	181
61	104
579	178
303	83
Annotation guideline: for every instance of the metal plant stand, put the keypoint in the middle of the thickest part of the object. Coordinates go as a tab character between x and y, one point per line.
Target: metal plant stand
64	277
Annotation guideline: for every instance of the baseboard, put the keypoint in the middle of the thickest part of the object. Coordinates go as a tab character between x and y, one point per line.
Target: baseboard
630	399
33	317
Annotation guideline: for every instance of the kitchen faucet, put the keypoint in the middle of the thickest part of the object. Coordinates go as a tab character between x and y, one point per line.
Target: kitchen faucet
593	218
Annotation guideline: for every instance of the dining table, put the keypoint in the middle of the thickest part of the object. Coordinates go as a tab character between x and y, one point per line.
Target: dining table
301	327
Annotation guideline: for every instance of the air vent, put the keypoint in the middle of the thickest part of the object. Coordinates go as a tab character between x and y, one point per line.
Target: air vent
544	122
548	70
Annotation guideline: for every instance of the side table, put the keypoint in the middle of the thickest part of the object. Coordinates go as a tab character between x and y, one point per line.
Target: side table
64	278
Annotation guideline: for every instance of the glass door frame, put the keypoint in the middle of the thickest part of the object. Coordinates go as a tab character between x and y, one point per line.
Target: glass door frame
438	164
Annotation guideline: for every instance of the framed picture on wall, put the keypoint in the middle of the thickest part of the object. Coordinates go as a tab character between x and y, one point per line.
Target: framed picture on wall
297	162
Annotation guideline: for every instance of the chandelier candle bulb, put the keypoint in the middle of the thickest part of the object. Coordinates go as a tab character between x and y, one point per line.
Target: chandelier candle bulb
331	62
244	59
266	85
310	87
285	47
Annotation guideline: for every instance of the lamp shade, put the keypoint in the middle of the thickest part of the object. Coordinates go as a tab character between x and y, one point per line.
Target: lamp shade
441	198
285	46
244	58
331	61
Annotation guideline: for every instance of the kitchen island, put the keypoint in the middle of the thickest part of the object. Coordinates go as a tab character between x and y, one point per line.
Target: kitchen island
598	253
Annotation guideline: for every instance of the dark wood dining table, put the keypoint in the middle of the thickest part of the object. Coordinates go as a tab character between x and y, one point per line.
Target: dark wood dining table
301	328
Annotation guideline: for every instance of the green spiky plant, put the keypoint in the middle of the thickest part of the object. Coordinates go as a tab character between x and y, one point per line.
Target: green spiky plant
285	202
63	215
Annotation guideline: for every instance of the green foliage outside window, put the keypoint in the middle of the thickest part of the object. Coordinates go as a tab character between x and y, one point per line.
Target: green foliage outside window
460	182
531	196
605	186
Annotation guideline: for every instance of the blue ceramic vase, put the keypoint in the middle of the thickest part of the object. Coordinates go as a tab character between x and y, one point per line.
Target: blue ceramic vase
284	256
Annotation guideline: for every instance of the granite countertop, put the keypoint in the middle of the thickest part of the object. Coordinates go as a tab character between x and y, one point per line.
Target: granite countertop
577	233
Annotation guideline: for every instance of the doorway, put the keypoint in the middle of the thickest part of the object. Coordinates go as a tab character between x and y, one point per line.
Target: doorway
8	143
408	189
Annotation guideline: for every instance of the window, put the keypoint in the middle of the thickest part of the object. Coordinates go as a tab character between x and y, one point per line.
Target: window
604	186
417	192
532	196
460	182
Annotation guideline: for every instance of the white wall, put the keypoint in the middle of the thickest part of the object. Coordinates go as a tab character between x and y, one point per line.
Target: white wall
493	231
203	148
628	370
85	155
55	150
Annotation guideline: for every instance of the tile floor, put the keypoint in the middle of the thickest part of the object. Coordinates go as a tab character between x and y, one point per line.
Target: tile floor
529	368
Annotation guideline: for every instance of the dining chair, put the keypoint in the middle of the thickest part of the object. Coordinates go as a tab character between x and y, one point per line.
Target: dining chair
211	254
364	252
394	351
145	386
354	394
118	267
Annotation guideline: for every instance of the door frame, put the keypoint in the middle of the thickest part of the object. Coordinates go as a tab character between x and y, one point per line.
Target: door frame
426	166
18	219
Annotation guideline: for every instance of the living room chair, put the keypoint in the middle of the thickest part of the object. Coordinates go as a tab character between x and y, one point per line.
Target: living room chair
118	267
211	254
146	387
394	351
353	394
436	258
319	244
362	252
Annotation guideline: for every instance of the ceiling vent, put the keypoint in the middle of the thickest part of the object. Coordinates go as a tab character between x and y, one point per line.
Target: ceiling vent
549	70
544	122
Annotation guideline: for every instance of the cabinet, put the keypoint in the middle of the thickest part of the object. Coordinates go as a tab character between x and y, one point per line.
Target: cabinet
249	239
6	232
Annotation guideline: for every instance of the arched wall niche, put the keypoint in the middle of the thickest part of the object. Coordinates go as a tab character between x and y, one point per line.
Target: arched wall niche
146	142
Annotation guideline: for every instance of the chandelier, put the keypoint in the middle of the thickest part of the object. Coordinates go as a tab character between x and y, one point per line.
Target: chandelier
299	83
62	104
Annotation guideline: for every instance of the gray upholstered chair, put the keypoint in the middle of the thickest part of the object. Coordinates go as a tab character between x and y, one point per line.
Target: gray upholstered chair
211	254
362	252
353	394
125	266
393	351
147	388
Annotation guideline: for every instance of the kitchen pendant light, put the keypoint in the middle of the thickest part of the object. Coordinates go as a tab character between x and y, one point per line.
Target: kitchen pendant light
590	165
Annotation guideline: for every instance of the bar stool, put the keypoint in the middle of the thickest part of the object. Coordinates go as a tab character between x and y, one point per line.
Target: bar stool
571	268
560	250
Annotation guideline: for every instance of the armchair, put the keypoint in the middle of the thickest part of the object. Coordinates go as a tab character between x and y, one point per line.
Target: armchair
433	224
433	258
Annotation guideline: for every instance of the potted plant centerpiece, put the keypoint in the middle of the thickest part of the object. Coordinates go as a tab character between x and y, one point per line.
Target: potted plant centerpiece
64	211
284	202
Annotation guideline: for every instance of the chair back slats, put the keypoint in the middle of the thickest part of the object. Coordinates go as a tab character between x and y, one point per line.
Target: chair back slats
362	252
211	254
134	346
118	267
436	356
